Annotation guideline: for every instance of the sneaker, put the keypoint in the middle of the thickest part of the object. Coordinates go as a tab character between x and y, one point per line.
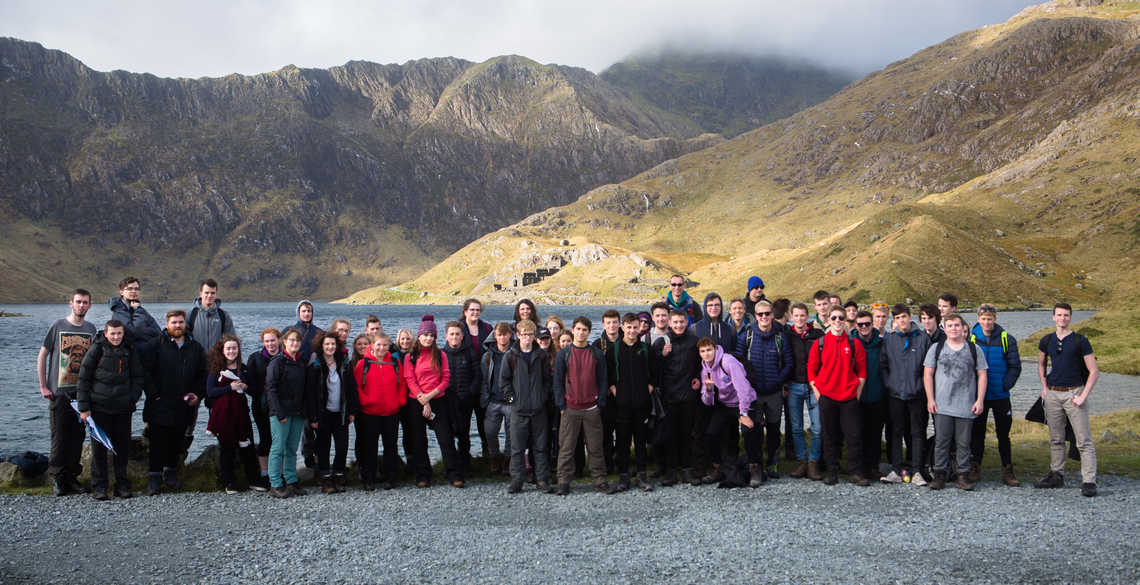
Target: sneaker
891	477
1053	480
261	484
231	489
918	480
1088	490
773	471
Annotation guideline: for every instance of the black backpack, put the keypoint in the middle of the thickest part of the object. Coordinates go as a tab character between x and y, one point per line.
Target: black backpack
973	353
1052	342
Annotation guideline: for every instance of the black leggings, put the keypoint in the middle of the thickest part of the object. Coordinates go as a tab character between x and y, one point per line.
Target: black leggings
260	413
443	437
228	454
330	429
1003	420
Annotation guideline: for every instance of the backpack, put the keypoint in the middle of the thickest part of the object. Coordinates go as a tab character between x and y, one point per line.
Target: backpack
973	353
1052	342
735	473
819	352
1004	341
194	314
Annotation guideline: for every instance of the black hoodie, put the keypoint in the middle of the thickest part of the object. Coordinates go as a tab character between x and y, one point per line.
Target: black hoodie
678	369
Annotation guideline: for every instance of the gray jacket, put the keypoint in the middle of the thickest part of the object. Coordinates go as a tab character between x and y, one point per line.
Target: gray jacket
208	324
900	362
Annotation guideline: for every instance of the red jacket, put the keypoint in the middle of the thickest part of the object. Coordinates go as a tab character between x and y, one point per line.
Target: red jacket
421	375
382	390
832	372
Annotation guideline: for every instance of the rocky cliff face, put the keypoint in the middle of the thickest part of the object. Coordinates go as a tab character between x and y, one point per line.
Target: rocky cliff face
297	181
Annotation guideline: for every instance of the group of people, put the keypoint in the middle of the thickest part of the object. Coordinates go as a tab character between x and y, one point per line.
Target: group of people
683	382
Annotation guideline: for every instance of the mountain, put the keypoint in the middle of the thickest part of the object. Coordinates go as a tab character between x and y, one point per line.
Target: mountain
297	182
724	93
999	164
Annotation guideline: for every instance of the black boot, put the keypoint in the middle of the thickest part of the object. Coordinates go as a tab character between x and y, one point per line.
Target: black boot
154	483
170	478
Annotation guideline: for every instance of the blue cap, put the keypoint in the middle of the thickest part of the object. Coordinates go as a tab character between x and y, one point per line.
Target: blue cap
755	282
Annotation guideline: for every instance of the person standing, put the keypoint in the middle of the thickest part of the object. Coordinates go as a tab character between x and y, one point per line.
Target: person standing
287	385
608	342
331	407
754	294
802	335
206	323
428	376
580	394
954	377
57	369
257	365
497	411
738	319
678	299
475	332
679	383
630	402
110	383
306	326
837	370
900	360
873	400
226	389
142	329
525	382
1000	349
463	391
382	393
931	319
659	313
766	354
176	383
1065	389
714	325
821	300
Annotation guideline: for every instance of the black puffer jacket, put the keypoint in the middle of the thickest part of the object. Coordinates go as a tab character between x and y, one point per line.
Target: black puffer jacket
111	378
173	372
464	368
286	384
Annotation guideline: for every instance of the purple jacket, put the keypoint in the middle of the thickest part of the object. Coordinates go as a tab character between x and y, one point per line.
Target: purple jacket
730	380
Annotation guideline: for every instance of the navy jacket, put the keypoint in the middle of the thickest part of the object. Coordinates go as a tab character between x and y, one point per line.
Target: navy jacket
768	359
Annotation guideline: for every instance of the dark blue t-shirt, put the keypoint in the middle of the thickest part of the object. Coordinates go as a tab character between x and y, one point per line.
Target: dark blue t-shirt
1066	356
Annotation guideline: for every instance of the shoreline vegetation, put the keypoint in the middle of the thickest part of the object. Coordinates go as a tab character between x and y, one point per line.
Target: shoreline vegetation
1116	434
6	314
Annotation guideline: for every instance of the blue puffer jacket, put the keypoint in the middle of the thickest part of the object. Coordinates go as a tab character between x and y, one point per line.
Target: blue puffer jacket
769	361
1004	365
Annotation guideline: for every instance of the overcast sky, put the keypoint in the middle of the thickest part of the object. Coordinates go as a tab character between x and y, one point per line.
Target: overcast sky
218	37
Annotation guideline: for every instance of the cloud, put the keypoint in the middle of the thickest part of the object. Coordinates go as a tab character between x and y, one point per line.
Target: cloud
217	37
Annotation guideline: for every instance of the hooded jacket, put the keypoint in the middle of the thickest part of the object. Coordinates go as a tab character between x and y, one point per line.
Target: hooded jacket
730	383
718	329
381	390
257	365
768	357
1004	364
111	378
562	369
208	324
489	368
172	372
141	329
677	370
525	380
309	332
686	304
286	385
801	344
873	390
900	362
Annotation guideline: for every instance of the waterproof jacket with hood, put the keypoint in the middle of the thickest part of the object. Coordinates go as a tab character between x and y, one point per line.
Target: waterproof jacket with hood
257	366
873	389
767	357
1004	361
730	383
633	375
111	378
286	385
309	332
208	324
900	362
173	372
381	389
318	398
489	370
562	369
422	376
801	344
526	380
464	371
686	303
141	329
677	370
718	329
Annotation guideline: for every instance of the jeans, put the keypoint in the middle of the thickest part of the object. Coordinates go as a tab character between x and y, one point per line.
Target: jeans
67	436
330	429
283	452
1059	406
1003	420
800	395
947	430
497	415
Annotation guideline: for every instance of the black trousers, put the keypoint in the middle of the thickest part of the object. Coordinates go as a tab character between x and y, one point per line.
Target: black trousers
443	436
908	414
702	414
462	407
722	432
630	425
680	417
67	435
762	442
841	420
165	446
228	455
609	429
331	430
874	418
260	413
118	429
410	416
370	429
1003	420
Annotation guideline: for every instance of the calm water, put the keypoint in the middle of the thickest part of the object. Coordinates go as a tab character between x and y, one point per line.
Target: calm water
23	413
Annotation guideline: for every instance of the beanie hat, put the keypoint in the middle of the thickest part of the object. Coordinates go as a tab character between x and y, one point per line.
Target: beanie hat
427	325
755	282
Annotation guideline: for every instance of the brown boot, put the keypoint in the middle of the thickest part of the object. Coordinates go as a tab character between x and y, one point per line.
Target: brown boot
800	471
813	471
975	474
505	464
714	476
327	486
963	483
339	482
755	475
496	464
1007	476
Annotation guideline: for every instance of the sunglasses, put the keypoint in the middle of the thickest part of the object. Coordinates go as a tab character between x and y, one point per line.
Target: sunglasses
836	318
676	284
763	313
862	324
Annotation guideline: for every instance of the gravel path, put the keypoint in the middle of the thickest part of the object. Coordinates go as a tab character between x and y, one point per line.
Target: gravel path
793	531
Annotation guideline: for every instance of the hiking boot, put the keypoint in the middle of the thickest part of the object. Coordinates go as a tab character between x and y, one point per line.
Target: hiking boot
642	481
390	485
123	490
339	481
327	486
773	471
832	478
458	483
515	487
1088	490
963	482
369	486
563	489
660	473
170	478
691	476
154	483
755	476
496	464
603	488
813	471
800	471
891	477
231	488
939	480
918	479
859	480
670	478
295	490
975	473
1053	480
623	482
544	487
1007	476
714	476
59	488
100	494
260	484
279	492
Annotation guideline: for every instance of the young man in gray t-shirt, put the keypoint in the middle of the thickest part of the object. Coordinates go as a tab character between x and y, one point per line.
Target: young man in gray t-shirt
955	383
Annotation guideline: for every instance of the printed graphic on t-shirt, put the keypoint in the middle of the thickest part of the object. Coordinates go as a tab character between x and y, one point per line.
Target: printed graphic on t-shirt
72	347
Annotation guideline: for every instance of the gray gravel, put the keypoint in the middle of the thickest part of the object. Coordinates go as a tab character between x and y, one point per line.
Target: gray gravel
792	531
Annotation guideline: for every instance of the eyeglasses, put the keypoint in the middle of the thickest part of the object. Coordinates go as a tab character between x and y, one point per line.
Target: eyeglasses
858	324
763	313
836	318
526	335
676	284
